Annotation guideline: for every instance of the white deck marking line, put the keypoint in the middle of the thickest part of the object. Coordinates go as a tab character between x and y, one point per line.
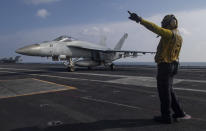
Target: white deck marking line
123	76
128	106
188	89
9	71
21	69
113	103
15	79
69	78
35	93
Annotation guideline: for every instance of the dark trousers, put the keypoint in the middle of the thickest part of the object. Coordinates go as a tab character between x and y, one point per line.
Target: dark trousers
168	100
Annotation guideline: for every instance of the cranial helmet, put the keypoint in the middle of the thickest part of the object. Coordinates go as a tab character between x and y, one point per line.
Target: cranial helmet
169	22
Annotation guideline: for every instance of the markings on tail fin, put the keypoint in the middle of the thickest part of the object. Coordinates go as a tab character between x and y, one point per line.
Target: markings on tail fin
121	42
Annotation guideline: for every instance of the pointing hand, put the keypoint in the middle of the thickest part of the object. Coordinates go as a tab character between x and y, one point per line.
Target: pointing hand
134	17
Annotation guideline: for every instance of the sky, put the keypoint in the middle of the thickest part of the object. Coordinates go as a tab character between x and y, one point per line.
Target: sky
25	22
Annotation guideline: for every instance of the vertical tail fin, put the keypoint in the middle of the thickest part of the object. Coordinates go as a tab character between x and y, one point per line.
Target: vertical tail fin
121	42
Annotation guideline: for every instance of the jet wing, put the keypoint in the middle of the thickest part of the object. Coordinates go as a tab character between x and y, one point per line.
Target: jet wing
122	53
127	53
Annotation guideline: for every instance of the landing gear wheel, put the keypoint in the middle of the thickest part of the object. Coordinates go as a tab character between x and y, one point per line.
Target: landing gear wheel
71	69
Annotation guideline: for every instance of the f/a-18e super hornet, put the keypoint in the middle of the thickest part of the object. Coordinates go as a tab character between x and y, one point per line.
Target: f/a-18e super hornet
79	53
11	60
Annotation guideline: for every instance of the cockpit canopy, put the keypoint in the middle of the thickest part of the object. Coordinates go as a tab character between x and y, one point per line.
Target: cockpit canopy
64	38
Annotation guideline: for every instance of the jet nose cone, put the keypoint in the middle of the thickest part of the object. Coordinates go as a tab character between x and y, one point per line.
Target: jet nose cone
29	50
19	51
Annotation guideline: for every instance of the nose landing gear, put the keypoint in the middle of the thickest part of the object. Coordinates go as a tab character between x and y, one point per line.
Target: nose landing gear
70	65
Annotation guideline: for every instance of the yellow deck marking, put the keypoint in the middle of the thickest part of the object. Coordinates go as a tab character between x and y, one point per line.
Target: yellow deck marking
42	92
70	87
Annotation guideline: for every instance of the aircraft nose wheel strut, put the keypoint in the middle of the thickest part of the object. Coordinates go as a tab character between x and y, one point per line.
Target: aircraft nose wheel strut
70	66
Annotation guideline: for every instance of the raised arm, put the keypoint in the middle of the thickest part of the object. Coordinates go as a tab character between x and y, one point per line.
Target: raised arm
156	29
151	26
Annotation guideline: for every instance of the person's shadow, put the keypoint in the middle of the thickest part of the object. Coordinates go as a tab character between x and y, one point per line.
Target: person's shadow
95	126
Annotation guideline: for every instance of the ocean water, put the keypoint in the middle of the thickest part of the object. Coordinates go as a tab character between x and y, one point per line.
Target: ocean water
201	64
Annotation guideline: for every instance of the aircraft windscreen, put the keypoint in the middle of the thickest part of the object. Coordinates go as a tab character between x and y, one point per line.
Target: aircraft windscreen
64	39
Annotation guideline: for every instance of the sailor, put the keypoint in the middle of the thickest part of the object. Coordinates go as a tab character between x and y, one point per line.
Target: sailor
167	57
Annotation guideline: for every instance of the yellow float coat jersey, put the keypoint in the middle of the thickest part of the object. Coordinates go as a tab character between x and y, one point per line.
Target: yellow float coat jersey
170	43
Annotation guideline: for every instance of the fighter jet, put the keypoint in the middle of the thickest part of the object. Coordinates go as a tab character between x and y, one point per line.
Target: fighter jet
79	53
11	60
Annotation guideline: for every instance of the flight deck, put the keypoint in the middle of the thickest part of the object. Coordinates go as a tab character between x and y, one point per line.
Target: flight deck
45	97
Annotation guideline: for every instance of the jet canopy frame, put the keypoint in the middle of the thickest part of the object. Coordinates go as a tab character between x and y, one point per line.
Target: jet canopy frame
64	38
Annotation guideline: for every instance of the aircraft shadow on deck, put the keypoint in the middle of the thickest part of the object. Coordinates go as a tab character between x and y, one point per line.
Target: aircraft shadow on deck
63	69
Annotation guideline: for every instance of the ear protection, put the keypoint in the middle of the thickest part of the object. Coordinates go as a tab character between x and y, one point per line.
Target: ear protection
173	22
170	21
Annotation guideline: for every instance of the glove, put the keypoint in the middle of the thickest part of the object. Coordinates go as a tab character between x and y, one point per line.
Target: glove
134	17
